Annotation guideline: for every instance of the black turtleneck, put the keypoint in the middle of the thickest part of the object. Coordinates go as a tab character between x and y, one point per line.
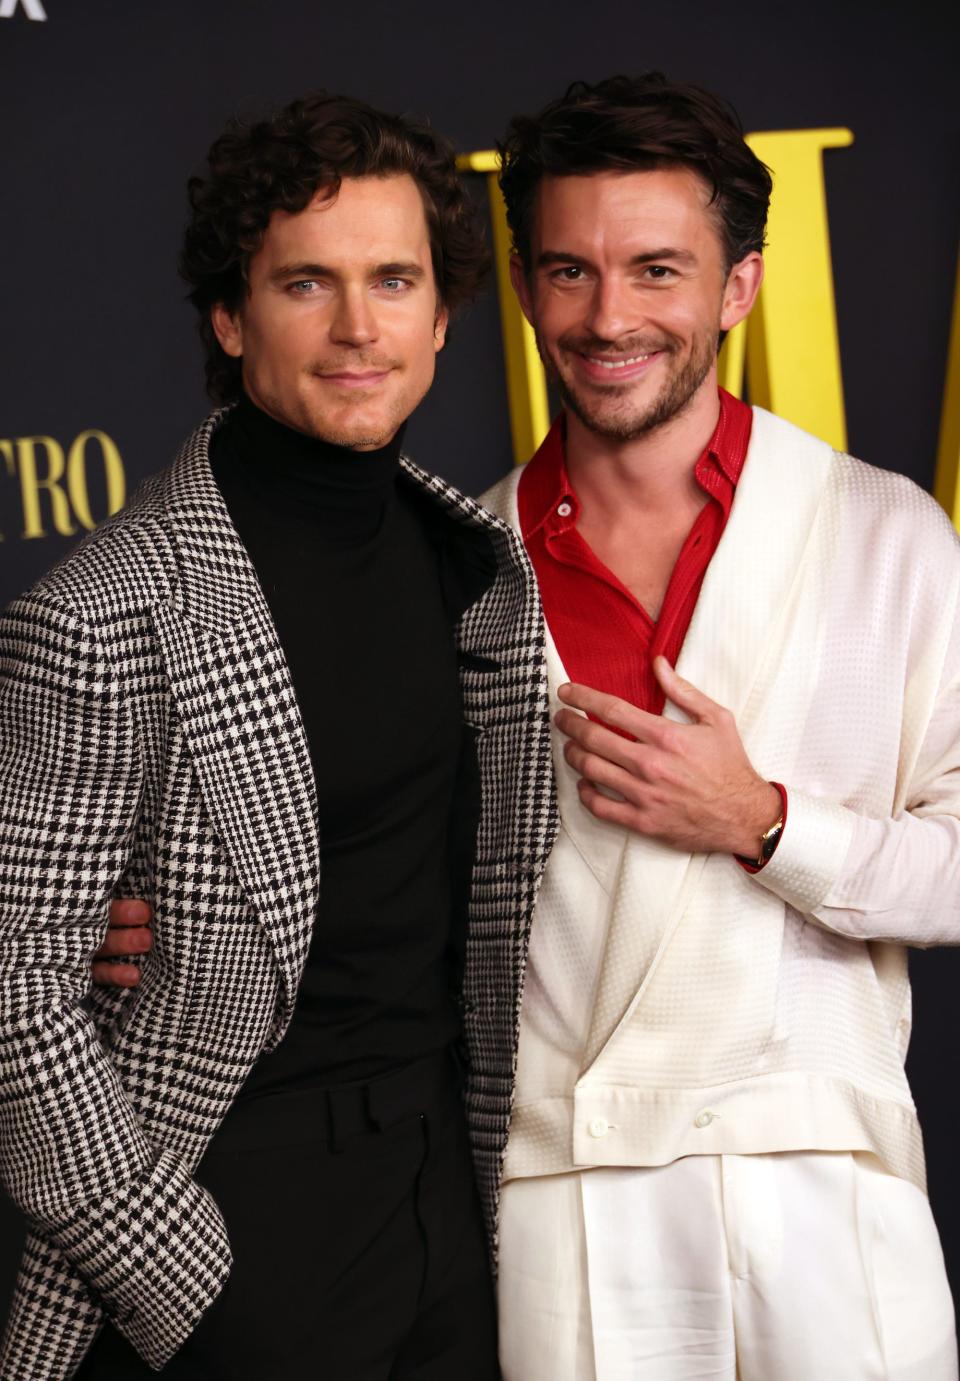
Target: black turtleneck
365	577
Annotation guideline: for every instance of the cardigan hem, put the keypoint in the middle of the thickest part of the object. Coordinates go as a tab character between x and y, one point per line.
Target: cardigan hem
619	1125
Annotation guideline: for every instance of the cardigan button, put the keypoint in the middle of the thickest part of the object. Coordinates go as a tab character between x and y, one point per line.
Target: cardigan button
598	1126
703	1119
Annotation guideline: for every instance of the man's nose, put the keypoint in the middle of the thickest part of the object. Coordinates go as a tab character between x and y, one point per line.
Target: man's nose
354	320
612	311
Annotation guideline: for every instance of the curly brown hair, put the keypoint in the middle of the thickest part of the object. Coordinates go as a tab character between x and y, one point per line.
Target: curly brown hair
279	164
632	124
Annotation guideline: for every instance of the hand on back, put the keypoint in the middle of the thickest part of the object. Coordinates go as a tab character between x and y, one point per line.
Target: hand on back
129	933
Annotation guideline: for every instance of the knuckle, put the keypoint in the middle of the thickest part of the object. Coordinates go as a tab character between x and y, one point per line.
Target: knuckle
583	732
655	767
591	766
670	773
641	819
669	738
637	759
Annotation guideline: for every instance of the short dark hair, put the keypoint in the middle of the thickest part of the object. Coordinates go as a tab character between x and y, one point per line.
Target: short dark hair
279	164
637	123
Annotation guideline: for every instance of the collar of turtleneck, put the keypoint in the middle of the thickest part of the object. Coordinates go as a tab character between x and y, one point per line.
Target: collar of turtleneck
342	492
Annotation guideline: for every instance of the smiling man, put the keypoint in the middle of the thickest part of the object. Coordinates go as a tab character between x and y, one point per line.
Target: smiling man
258	700
714	1167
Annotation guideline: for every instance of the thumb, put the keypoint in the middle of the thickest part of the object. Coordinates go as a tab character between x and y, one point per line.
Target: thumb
682	693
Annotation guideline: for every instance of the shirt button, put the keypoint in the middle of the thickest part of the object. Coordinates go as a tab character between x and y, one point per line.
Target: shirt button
703	1119
564	509
598	1126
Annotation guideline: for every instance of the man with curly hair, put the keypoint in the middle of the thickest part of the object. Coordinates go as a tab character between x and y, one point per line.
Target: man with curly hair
263	699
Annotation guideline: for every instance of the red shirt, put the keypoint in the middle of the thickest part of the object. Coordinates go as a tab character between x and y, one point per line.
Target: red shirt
604	636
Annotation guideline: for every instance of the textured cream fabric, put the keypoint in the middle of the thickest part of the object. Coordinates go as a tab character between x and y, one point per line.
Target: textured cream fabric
675	1005
798	1267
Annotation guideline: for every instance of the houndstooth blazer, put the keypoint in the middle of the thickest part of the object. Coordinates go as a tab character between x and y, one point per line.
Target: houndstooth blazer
151	745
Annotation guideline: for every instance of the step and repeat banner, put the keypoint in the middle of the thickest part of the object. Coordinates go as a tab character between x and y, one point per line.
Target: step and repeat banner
107	106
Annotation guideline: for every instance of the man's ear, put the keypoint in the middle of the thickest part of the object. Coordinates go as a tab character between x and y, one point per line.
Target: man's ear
440	329
228	329
521	286
740	291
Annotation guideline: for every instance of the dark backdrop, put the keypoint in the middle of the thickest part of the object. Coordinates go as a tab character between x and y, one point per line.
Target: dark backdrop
107	105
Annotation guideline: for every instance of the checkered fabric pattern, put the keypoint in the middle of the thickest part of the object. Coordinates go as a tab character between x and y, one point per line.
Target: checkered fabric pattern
151	745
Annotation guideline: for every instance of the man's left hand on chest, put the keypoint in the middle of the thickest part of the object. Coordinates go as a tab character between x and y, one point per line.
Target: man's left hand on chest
691	785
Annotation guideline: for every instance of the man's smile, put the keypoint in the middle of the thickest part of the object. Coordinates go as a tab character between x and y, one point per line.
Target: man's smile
353	378
614	368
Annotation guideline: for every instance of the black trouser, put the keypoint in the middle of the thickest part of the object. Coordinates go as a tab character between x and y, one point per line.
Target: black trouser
359	1252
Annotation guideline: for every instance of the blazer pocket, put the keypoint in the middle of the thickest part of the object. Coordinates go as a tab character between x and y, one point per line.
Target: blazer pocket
474	661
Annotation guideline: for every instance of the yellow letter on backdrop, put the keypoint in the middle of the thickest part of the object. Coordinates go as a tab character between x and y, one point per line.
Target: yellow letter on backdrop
526	382
793	353
31	483
946	487
77	475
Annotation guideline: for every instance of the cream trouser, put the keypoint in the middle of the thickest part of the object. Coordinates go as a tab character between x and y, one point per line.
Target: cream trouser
807	1266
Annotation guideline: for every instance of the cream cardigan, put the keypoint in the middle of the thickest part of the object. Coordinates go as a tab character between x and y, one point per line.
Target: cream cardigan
676	1005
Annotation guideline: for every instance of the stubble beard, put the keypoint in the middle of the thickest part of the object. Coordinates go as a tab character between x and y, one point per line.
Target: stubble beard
597	415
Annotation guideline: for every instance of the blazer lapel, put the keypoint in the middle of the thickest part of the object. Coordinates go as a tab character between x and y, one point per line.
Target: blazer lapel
235	700
501	638
749	583
746	593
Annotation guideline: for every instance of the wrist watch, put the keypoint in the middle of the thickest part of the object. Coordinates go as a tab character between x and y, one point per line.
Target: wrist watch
770	837
769	840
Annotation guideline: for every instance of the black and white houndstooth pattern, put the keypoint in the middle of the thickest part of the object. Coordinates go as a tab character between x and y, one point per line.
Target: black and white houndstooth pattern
151	745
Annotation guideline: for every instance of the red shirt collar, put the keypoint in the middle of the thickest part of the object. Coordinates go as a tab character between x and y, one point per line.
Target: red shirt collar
548	496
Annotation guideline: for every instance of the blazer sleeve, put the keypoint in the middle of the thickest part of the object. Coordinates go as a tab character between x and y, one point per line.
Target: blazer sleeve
895	879
148	1242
